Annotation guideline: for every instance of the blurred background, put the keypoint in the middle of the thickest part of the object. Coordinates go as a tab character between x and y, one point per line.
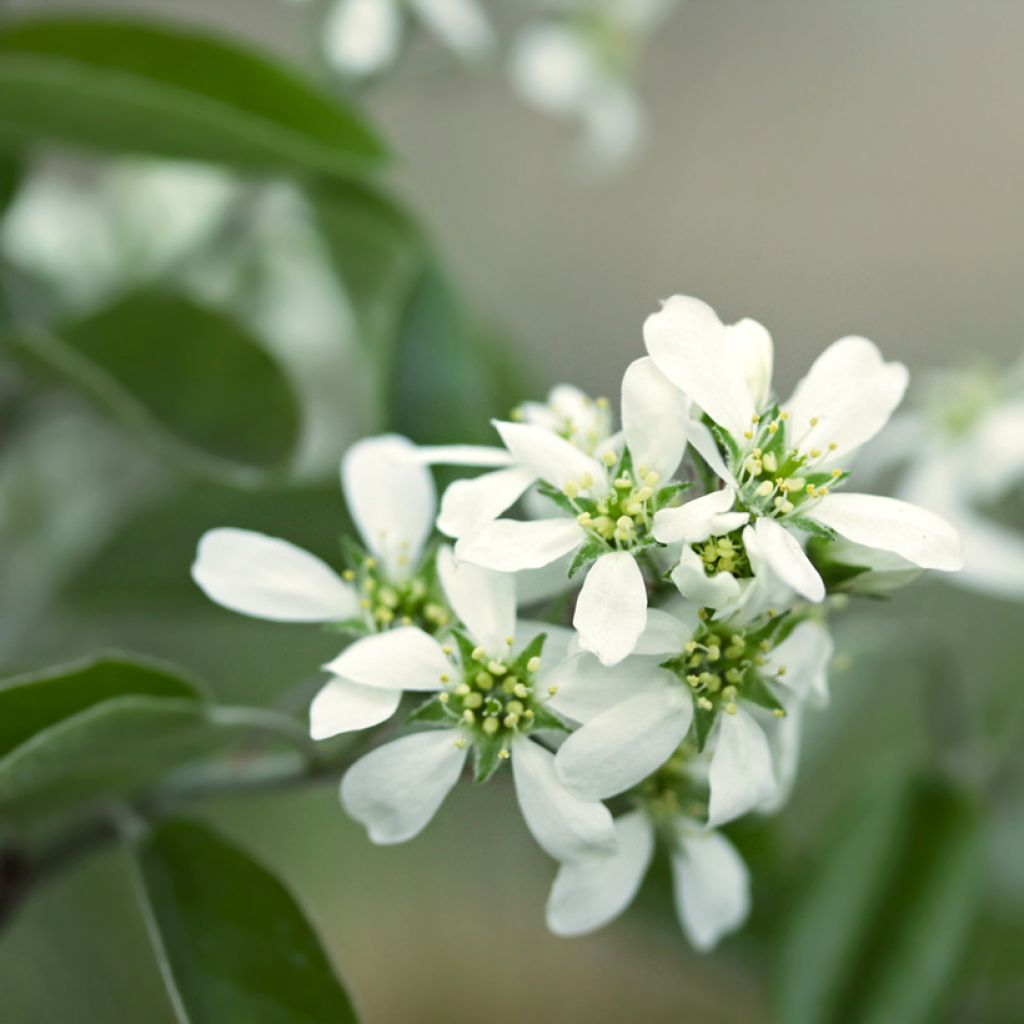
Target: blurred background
827	168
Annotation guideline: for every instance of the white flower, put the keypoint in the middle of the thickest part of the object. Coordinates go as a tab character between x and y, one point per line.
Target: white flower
491	698
710	881
721	683
392	501
604	512
784	466
362	37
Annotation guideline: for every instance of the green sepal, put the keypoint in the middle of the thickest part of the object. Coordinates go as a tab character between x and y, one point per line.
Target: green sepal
813	527
727	443
757	691
431	710
466	646
353	552
665	494
703	719
351	627
561	499
544	719
486	756
532	650
589	552
777	628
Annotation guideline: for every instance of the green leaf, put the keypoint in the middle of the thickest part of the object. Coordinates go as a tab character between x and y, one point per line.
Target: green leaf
431	710
10	179
813	527
558	497
188	378
885	919
232	942
486	756
670	491
147	87
588	552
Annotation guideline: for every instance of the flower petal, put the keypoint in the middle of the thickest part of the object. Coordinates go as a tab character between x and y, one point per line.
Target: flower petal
534	585
711	886
611	611
361	36
654	414
626	743
695	521
805	654
566	826
548	456
344	706
704	444
480	455
396	789
784	556
752	347
696	585
850	392
688	343
665	632
460	24
270	578
400	659
391	498
784	741
509	545
484	600
585	688
468	505
588	894
741	774
907	530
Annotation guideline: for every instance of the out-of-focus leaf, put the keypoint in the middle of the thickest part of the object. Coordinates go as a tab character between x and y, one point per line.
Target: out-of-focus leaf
233	944
10	179
32	703
108	729
183	375
145	87
881	926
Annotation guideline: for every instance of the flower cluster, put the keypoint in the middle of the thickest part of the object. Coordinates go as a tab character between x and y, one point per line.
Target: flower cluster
695	547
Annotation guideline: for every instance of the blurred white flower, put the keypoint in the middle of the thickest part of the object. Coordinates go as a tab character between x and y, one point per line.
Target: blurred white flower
784	466
710	882
492	687
362	37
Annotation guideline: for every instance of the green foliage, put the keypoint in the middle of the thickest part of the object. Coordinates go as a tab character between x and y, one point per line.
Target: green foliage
885	918
813	527
233	943
146	87
589	552
186	377
10	179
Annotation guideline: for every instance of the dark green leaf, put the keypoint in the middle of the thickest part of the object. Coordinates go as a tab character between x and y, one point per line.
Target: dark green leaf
486	756
880	927
146	87
431	710
183	375
233	944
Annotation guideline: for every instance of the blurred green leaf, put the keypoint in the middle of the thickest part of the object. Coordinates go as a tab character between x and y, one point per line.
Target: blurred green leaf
233	944
31	703
10	179
185	376
143	87
883	922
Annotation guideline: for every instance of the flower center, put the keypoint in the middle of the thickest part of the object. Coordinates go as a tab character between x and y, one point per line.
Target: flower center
673	790
386	603
724	554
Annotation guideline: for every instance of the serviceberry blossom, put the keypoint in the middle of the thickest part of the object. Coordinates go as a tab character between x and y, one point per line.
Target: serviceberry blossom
601	510
492	691
786	464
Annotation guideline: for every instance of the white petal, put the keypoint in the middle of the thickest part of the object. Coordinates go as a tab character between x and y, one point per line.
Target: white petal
460	24
270	578
654	414
534	585
391	498
712	888
806	654
400	659
688	343
480	455
784	741
626	743
752	347
611	611
696	585
741	774
665	632
468	505
566	826
556	646
548	456
993	557
782	551
851	391
396	789
702	441
587	894
586	688
344	706
483	600
907	530
361	36
509	546
697	520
